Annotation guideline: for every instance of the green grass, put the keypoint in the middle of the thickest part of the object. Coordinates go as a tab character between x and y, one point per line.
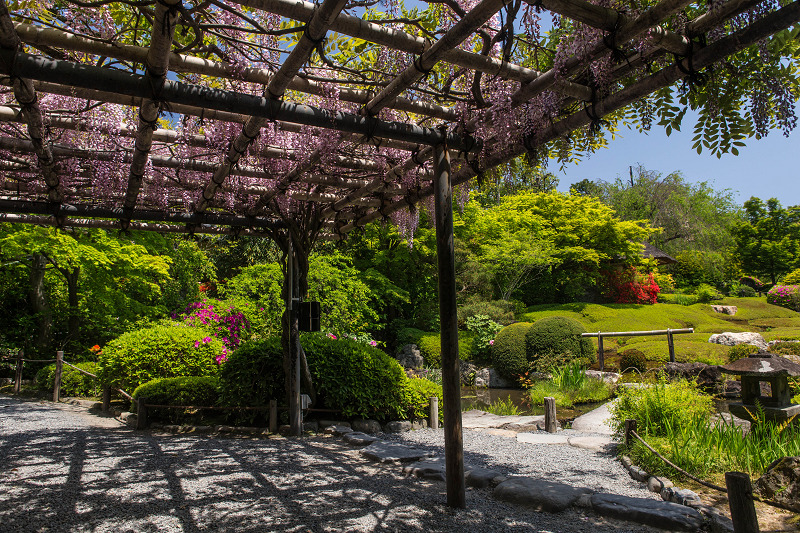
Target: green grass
503	408
570	386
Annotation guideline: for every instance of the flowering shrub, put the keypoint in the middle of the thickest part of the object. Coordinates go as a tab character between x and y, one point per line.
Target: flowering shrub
785	296
630	286
752	282
224	323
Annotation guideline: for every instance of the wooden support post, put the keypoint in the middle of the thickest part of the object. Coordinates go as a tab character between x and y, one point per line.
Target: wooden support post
671	346
434	418
273	416
600	351
740	500
18	373
59	370
106	399
451	371
141	413
550	422
630	426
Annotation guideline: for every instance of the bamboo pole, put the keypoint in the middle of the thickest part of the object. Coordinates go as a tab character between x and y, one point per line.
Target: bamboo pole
451	375
25	94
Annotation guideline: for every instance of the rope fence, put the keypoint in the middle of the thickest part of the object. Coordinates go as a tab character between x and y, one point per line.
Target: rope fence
739	489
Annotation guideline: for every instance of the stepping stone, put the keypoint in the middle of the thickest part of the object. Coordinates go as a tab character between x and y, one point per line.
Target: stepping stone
542	438
481	478
539	494
498	432
595	444
595	421
663	515
429	468
387	452
338	430
481	419
358	439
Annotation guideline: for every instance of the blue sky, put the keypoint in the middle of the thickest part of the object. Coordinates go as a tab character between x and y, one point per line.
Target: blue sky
766	168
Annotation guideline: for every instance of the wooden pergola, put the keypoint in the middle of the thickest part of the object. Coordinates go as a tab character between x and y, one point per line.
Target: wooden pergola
274	127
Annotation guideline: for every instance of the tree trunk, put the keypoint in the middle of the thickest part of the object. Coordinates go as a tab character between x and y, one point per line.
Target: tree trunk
38	300
73	324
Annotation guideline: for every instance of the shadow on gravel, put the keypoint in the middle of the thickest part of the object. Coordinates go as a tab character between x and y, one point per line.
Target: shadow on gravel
54	477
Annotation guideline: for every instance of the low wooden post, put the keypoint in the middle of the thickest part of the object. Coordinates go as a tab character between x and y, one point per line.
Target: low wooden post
630	427
273	416
671	346
740	500
434	421
57	381
18	373
141	413
550	421
106	399
600	352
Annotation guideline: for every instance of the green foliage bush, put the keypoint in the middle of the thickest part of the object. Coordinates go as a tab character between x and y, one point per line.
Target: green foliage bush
633	358
143	355
706	293
588	391
253	374
740	350
555	341
508	351
408	336
416	397
684	299
792	278
744	291
483	330
787	296
660	406
200	391
73	383
430	346
786	348
500	311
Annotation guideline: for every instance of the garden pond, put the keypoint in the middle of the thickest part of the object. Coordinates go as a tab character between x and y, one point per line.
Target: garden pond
480	398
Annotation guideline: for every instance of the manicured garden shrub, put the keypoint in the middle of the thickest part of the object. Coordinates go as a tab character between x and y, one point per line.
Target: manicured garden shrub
253	374
508	351
416	397
189	391
662	404
740	350
483	330
744	291
753	282
786	348
408	336
500	311
629	286
431	348
73	383
555	341
632	359
143	355
785	296
706	293
792	278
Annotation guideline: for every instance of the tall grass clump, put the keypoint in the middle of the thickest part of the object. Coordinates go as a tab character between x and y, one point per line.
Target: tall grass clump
503	407
569	386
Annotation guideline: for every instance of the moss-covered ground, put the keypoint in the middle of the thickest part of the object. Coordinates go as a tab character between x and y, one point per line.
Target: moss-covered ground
754	314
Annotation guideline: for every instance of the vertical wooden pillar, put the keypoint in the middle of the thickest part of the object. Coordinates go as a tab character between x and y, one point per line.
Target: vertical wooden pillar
434	416
550	421
601	354
57	381
106	399
18	372
141	413
630	427
295	414
273	416
451	372
740	500
671	346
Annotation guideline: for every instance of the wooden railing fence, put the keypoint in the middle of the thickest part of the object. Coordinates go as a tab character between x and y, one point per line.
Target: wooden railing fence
668	332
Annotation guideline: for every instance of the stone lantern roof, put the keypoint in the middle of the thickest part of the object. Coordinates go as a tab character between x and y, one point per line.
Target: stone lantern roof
762	365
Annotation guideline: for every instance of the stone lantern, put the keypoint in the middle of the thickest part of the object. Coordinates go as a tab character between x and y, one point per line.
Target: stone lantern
769	368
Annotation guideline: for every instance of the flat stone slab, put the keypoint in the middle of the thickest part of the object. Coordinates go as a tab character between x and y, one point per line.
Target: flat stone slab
663	515
595	421
483	477
542	438
387	452
428	468
595	444
359	439
498	432
539	494
338	430
474	419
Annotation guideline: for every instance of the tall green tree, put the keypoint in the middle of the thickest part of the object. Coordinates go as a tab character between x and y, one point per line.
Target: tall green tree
768	240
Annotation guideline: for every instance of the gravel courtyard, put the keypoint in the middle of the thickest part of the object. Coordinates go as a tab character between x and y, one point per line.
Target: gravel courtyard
63	469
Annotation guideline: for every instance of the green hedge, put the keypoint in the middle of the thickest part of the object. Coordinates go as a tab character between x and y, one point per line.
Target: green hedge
508	351
73	383
143	355
416	397
253	374
430	346
188	390
555	341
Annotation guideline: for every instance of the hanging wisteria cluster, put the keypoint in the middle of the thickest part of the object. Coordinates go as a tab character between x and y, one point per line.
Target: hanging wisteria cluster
486	86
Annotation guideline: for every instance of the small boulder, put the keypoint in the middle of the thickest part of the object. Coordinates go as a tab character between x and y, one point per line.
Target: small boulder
732	339
366	426
608	377
409	356
482	378
538	494
708	377
725	309
656	484
663	515
397	426
496	381
781	482
356	438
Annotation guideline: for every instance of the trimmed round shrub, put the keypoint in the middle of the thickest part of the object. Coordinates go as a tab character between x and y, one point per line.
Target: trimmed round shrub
508	351
430	347
633	359
739	351
73	383
408	336
785	296
189	390
785	348
556	341
706	293
143	355
745	291
253	374
416	397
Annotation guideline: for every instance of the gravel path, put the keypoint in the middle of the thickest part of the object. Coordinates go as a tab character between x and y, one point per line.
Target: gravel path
62	469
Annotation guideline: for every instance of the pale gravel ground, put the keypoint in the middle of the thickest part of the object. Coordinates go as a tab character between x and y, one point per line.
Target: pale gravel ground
62	469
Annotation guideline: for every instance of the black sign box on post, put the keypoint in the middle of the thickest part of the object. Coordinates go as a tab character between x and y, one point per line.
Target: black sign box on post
309	316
